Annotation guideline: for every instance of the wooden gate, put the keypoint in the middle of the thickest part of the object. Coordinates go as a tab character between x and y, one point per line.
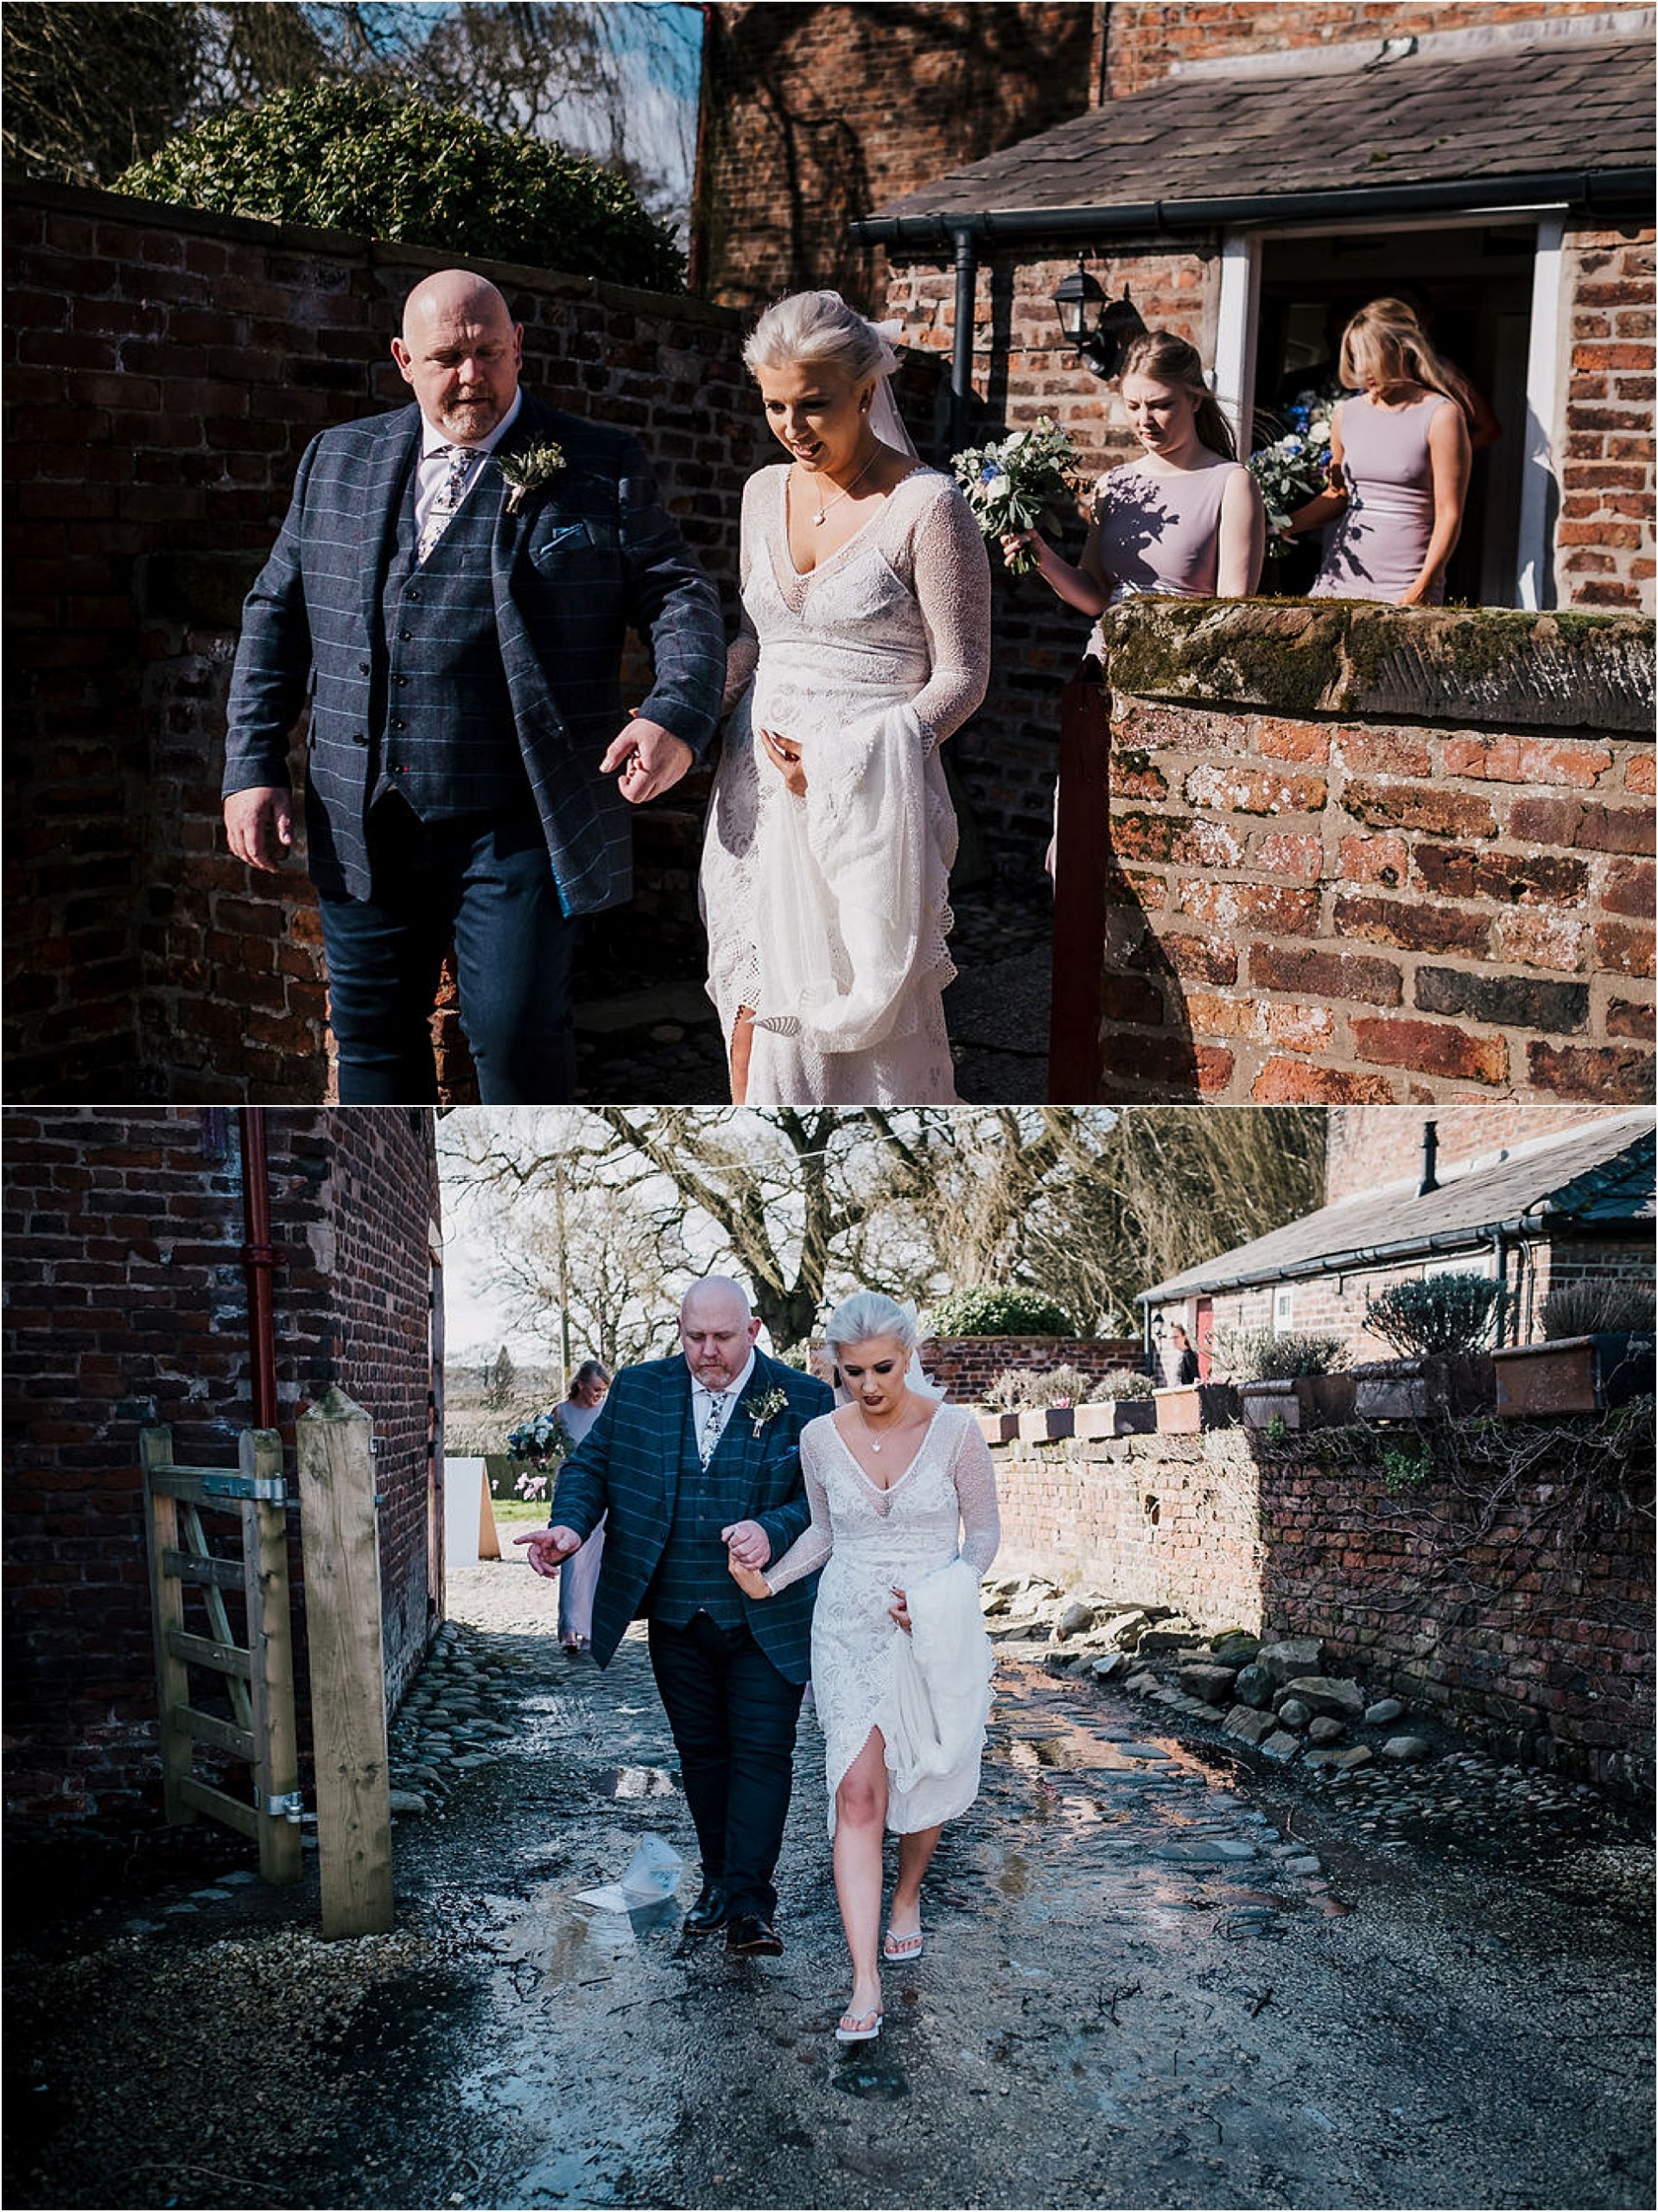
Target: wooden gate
257	1674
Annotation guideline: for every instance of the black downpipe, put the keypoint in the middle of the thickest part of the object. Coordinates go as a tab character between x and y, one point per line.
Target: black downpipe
961	360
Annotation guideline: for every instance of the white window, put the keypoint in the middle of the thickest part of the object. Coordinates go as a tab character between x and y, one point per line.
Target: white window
1283	1309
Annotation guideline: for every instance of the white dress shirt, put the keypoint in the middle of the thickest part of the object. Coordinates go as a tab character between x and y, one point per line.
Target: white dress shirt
435	445
701	1399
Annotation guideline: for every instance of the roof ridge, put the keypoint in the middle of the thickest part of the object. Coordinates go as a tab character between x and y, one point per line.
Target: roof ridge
1613	26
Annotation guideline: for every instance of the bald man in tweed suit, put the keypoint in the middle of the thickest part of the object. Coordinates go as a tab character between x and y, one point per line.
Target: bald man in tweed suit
696	1461
469	772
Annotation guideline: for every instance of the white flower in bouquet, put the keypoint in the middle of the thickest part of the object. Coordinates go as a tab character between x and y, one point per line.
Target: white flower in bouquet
1015	482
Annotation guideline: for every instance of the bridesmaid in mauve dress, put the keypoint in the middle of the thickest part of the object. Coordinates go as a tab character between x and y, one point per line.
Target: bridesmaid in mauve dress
579	1577
1399	463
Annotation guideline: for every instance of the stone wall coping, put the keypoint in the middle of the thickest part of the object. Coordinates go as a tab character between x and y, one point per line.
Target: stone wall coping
1487	667
352	245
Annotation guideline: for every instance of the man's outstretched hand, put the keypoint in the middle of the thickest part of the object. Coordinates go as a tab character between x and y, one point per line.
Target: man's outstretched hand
549	1547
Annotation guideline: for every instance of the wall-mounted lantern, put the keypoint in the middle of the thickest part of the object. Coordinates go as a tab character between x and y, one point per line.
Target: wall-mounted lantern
1097	329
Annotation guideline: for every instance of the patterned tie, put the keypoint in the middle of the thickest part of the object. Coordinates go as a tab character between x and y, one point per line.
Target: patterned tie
711	1427
448	497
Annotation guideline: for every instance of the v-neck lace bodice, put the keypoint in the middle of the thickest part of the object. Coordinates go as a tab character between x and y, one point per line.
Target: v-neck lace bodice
827	915
867	1539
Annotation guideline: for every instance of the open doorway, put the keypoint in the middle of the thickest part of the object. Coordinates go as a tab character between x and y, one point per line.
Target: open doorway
1472	288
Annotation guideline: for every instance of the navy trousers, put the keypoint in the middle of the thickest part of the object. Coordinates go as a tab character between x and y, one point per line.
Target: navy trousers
732	1717
483	882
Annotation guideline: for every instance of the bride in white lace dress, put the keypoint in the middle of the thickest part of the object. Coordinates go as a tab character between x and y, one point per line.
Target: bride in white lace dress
904	1512
864	643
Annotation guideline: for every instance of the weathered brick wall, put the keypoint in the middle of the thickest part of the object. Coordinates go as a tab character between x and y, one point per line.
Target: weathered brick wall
1533	1635
164	371
126	1305
1604	538
1538	1644
1367	1146
814	116
1440	890
1153	1521
1145	40
967	1366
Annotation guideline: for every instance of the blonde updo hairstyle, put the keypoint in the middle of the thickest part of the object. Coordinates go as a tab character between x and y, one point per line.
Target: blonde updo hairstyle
1385	342
1169	358
814	330
868	1313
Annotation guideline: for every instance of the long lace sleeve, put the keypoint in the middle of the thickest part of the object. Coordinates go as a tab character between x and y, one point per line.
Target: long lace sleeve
975	1488
743	653
952	588
814	1544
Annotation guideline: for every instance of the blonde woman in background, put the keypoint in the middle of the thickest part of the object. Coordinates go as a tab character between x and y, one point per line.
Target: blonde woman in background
1398	462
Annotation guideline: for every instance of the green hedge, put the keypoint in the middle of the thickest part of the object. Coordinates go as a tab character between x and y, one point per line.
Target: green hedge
990	1312
352	157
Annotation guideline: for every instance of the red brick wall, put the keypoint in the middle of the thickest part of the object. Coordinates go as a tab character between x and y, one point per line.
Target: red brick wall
164	371
967	1366
1314	907
1150	1521
1551	1663
126	1306
1604	538
814	116
1368	1146
1146	42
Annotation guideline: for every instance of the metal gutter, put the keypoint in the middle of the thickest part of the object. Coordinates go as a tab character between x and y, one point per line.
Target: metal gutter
1598	191
1472	1239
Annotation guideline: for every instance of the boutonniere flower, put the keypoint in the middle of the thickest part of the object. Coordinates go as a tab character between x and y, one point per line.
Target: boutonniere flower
532	470
764	1408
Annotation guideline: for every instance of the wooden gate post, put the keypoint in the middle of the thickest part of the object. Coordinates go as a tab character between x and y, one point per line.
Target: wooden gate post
167	1618
270	1639
341	1536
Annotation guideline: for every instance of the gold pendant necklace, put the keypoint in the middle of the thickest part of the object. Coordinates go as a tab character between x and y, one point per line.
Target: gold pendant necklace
825	506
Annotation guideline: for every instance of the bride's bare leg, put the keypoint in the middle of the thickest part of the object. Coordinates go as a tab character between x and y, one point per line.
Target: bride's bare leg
859	1827
915	1853
742	1043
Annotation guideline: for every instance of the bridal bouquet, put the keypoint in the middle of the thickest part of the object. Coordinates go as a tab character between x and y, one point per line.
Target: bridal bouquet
1013	483
539	1441
1295	468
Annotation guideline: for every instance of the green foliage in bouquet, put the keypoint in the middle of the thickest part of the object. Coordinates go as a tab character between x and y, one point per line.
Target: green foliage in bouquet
1018	482
355	157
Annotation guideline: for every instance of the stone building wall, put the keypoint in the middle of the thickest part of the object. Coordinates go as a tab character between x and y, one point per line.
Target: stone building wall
126	1306
1603	537
1531	1636
164	371
1376	858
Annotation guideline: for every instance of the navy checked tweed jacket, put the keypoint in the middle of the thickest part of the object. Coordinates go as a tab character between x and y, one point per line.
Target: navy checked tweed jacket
590	553
629	1464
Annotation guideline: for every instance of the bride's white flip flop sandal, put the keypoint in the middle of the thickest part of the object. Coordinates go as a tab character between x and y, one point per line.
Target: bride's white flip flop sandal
865	2027
900	1948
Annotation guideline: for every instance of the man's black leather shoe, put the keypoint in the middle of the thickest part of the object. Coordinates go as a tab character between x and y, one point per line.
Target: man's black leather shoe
708	1912
754	1938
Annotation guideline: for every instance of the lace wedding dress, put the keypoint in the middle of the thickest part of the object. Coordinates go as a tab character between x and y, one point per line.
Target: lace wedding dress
873	1539
827	914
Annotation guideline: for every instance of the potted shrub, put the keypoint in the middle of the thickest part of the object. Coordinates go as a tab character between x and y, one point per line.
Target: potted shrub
1277	1378
1597	1352
1048	1404
1120	1404
1439	1325
999	1419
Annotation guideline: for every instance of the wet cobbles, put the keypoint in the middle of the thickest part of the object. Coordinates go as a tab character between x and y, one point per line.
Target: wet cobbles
1152	1978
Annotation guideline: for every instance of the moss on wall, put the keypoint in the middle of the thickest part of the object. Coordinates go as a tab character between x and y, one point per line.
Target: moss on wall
1489	667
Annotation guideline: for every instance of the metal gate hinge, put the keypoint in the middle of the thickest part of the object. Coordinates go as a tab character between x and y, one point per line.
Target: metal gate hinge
265	1490
289	1806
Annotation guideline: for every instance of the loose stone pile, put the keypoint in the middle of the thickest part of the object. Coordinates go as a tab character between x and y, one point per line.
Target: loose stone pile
1402	1776
446	1726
